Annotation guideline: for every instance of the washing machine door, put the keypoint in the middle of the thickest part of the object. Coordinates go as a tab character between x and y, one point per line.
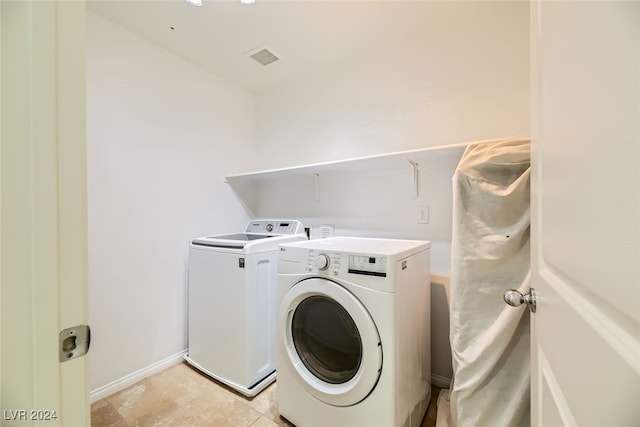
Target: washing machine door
331	341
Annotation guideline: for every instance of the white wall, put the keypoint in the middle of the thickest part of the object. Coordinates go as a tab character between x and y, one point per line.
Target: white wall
464	76
162	133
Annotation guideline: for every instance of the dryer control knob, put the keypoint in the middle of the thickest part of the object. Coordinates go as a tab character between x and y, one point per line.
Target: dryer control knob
322	262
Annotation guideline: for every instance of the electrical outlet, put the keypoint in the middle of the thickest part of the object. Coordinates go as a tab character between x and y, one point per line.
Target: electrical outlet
423	214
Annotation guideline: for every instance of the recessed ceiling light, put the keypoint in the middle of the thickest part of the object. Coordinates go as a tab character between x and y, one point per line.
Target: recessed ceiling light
247	1
194	2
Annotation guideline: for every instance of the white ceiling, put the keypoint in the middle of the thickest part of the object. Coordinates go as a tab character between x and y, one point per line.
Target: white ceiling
308	36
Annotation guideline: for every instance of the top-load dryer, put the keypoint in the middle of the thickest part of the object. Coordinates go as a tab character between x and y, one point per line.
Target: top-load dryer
232	303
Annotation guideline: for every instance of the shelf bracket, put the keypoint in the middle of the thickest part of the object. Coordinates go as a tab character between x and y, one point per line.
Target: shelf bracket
415	167
317	184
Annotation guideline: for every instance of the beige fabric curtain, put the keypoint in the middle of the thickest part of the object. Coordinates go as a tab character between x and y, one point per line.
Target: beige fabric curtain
490	254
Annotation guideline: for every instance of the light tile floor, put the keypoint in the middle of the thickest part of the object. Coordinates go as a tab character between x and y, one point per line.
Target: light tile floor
181	396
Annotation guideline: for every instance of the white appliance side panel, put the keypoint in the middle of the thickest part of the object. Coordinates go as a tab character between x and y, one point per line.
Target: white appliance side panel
261	306
217	314
422	322
413	335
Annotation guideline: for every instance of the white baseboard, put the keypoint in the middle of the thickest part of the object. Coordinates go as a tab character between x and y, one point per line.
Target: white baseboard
134	377
440	381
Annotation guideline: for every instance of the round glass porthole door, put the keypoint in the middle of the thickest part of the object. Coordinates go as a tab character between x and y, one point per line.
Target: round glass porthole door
331	340
326	339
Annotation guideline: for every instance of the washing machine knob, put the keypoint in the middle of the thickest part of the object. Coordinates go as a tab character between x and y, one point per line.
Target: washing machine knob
322	262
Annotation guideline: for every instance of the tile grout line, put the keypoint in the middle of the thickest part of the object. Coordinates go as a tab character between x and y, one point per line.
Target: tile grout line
117	411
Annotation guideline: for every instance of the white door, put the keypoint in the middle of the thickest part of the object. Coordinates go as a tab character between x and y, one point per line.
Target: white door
585	213
43	212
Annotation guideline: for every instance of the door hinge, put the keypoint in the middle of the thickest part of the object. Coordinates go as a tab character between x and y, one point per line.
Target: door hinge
74	342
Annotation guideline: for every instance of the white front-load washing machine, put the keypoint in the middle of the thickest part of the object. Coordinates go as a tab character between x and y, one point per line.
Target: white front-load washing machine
233	302
353	336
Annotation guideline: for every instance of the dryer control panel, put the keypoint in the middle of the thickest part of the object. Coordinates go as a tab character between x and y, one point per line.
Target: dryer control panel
320	262
368	265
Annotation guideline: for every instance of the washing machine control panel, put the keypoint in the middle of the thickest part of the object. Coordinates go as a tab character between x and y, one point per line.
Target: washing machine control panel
274	227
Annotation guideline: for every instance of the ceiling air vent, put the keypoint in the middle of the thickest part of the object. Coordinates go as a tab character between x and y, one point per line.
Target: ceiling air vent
262	55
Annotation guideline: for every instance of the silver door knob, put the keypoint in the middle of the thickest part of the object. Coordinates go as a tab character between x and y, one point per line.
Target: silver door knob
515	298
